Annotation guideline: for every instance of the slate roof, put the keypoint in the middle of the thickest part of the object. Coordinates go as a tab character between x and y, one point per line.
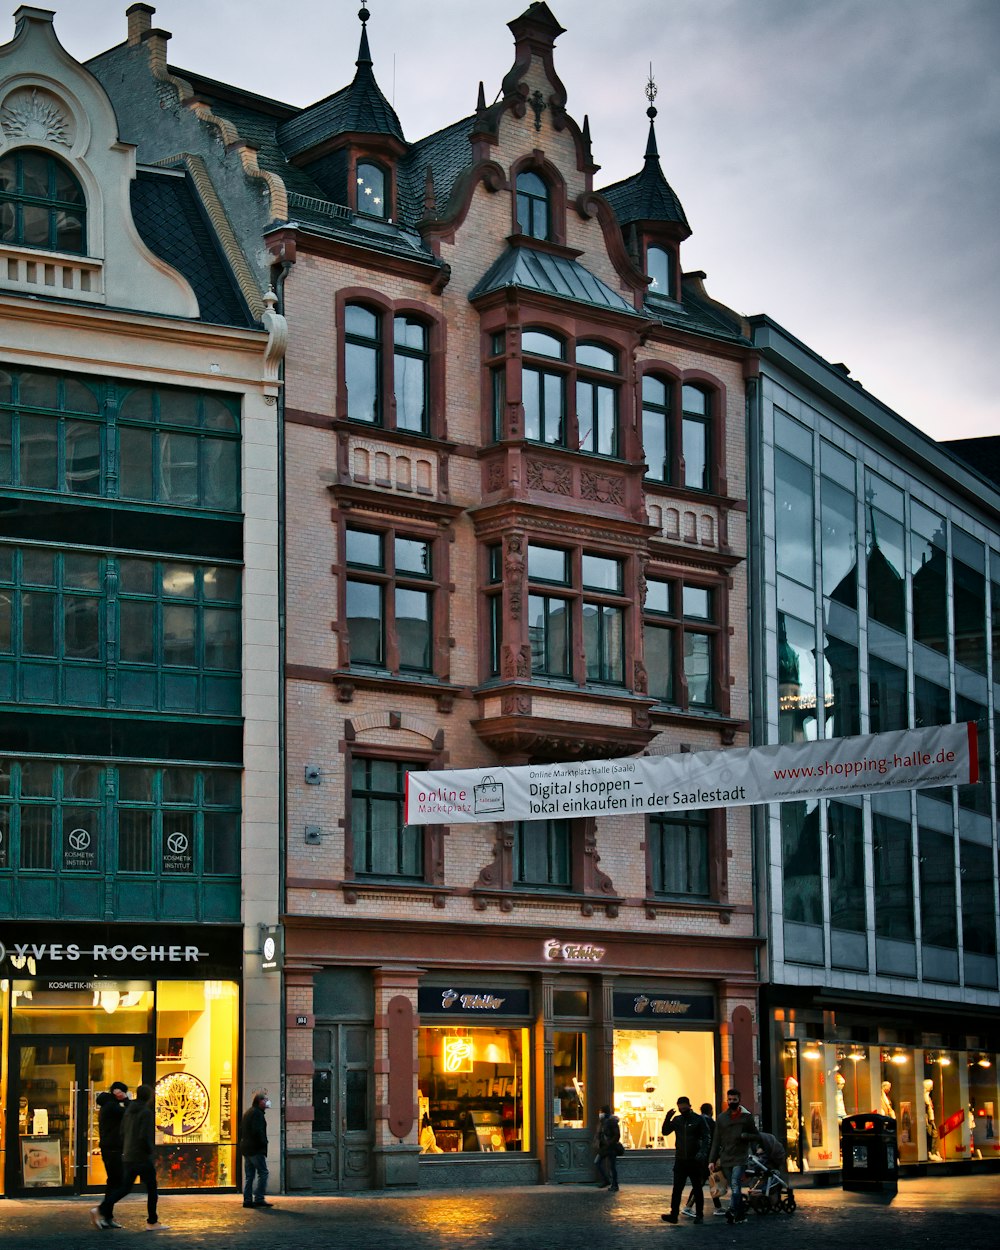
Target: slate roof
172	224
646	196
980	454
694	314
358	107
550	275
448	153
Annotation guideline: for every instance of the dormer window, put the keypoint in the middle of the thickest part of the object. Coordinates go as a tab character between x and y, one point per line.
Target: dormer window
371	190
660	268
41	203
533	217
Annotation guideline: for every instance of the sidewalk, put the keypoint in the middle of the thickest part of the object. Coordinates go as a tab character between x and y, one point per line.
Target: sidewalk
927	1212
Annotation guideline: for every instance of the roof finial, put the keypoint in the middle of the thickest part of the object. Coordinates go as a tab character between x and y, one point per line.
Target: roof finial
651	93
651	152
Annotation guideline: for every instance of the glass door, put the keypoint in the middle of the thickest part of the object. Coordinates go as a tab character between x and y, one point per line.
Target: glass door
574	1120
342	1119
53	1143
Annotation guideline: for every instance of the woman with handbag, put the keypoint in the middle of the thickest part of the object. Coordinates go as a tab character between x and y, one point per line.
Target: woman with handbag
608	1143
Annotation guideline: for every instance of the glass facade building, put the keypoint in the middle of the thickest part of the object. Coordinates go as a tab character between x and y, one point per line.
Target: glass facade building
877	608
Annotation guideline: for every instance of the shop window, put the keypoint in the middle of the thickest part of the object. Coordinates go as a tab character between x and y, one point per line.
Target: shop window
171	447
533	205
42	204
678	423
377	366
679	854
382	845
681	642
82	822
372	190
570	1064
813	1105
660	270
389	599
651	1066
554	368
113	631
475	1089
197	1032
574	593
945	1105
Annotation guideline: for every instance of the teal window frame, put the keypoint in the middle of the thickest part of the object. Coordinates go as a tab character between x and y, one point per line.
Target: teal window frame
167	447
86	796
117	617
64	215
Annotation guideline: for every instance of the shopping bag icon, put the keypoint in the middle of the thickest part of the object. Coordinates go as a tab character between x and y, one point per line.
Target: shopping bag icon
488	796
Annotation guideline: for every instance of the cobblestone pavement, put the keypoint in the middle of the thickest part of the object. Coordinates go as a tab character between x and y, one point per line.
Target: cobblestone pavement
927	1214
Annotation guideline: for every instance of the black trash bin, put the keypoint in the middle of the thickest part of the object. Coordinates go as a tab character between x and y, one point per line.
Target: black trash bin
871	1159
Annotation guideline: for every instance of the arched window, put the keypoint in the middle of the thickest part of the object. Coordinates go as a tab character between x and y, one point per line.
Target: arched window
533	205
366	347
371	185
660	268
41	203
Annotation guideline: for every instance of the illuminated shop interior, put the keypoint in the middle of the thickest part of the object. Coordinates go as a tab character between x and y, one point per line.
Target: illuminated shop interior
474	1088
67	1046
652	1069
943	1100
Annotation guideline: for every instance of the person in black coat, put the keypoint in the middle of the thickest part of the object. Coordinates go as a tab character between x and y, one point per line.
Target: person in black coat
691	1142
253	1148
138	1162
112	1104
717	1186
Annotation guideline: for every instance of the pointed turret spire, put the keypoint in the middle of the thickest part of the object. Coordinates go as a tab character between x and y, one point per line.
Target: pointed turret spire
364	52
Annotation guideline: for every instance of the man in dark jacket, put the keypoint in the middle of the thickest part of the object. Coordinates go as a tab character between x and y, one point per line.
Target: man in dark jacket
138	1145
691	1142
253	1148
112	1104
734	1130
607	1141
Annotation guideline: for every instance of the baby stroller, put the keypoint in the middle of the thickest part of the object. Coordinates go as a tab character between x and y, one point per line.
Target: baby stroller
766	1190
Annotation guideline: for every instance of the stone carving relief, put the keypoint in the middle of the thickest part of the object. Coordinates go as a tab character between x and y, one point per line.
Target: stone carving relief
36	115
552	478
602	487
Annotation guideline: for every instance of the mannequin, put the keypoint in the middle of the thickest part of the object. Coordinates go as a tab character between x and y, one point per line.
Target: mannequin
886	1107
930	1122
841	1109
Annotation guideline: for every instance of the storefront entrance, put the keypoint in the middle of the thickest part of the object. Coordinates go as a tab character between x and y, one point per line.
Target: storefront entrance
52	1141
342	1111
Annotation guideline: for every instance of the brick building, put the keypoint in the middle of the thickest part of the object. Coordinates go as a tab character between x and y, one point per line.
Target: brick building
513	516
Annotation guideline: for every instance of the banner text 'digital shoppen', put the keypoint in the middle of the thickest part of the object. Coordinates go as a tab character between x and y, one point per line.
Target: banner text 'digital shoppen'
906	759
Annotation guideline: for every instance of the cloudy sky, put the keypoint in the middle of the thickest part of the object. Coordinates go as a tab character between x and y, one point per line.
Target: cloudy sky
838	160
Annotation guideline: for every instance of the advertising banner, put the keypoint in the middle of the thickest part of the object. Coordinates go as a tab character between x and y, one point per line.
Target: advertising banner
907	759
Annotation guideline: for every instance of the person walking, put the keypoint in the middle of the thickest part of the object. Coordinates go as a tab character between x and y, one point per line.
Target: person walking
717	1187
253	1148
691	1143
734	1130
138	1144
112	1104
608	1144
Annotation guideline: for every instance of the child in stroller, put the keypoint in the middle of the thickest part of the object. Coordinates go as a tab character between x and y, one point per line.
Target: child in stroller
766	1189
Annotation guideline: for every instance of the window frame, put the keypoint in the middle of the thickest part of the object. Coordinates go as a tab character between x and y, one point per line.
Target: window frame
431	836
677	420
682	624
387	352
572	591
387	577
368	162
52	204
669	291
695	823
